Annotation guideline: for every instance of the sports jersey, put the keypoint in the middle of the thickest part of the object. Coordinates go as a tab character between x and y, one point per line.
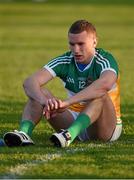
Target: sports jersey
75	79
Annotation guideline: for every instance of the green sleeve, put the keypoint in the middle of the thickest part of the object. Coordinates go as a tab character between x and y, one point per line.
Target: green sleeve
58	66
106	62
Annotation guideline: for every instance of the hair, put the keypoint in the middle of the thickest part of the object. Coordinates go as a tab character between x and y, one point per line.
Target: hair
82	25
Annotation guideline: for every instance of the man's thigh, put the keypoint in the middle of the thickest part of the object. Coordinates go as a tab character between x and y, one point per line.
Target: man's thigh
104	126
62	120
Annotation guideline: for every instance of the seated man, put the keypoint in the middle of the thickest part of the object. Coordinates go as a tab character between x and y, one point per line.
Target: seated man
91	77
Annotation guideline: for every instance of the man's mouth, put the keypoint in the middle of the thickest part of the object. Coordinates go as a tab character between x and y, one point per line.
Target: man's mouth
78	56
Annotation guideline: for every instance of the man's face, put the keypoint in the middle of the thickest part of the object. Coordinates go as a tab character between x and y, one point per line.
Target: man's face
82	46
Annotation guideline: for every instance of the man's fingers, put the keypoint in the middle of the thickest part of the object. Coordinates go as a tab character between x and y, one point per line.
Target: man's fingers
52	104
47	115
55	103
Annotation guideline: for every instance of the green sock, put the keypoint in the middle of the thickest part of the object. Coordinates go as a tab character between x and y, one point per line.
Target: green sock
27	126
81	123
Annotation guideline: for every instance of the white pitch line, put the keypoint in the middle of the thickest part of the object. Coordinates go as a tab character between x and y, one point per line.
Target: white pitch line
22	168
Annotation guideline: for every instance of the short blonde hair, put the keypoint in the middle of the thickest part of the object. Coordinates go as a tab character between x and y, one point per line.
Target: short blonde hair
82	25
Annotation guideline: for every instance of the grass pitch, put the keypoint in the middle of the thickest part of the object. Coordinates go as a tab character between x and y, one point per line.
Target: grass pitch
31	34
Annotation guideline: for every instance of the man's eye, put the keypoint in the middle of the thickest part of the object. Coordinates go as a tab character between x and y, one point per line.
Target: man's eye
72	44
80	44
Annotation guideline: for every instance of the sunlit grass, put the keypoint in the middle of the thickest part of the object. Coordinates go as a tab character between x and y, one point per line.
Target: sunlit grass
30	35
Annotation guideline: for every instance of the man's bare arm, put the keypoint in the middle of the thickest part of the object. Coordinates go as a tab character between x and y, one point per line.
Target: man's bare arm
32	85
96	90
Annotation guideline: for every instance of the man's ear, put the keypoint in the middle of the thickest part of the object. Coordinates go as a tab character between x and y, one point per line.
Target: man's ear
95	42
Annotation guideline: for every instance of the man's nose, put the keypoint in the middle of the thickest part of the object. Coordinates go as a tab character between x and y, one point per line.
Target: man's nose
76	48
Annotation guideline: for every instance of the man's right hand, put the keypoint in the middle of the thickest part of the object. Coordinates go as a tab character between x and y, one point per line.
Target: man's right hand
53	107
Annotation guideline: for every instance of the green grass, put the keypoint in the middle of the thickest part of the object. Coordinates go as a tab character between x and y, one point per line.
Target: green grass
30	35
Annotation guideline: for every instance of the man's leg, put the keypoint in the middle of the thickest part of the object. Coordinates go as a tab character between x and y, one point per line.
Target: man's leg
98	116
103	117
31	116
60	123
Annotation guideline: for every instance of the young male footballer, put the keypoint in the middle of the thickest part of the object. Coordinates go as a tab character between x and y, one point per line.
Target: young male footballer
91	78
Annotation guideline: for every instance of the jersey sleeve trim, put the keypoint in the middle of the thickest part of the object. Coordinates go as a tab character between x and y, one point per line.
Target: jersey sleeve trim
104	63
50	70
109	69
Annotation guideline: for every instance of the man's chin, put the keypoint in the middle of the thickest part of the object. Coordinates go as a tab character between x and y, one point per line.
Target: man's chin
78	60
